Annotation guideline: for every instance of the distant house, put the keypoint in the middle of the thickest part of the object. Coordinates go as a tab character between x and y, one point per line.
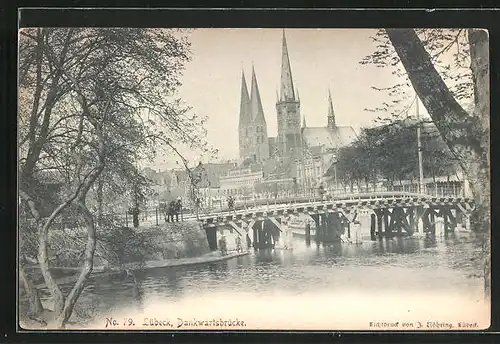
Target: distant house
241	180
211	173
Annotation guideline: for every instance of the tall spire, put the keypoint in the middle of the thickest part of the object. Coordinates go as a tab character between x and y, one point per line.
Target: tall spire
331	113
245	114
287	92
255	102
304	121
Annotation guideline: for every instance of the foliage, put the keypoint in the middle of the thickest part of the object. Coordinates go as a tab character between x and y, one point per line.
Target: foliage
449	51
93	103
466	133
390	152
125	245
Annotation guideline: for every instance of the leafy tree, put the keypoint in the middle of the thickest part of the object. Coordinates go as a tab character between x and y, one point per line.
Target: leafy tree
93	100
449	53
389	152
466	135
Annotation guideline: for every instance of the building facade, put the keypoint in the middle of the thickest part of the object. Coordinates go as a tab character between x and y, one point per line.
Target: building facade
240	181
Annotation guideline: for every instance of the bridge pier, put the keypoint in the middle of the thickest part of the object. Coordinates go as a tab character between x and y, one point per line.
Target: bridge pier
429	220
379	213
412	220
450	219
448	215
308	233
255	233
329	227
264	234
322	227
211	233
317	224
419	213
387	228
432	220
348	225
390	222
373	224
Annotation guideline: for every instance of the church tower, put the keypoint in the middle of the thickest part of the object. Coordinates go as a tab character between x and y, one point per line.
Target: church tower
288	111
259	124
244	127
331	114
252	128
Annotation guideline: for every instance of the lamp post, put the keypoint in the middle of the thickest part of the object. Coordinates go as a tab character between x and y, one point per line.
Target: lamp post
335	172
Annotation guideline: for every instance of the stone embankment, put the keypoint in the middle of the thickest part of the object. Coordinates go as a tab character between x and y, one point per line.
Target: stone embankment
167	245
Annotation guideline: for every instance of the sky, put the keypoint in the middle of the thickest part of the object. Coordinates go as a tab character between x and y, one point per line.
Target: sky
321	59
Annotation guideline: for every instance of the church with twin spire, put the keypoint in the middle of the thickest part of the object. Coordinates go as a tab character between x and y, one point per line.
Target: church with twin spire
294	139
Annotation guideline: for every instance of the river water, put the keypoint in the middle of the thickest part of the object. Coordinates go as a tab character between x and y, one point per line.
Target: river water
420	283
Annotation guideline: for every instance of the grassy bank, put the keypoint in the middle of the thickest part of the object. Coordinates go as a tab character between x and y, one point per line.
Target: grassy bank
120	247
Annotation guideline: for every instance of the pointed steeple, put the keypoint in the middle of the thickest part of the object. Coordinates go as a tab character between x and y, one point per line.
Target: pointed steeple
255	102
245	114
304	121
331	113
287	92
298	97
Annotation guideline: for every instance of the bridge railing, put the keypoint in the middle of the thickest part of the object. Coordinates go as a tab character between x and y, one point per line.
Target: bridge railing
265	200
264	204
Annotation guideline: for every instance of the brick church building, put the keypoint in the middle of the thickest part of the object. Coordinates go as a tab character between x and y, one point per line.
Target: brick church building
298	151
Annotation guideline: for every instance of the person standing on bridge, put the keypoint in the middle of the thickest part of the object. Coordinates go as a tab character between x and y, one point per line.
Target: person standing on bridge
321	190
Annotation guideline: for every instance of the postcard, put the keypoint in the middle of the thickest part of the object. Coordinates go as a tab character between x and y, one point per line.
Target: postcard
253	179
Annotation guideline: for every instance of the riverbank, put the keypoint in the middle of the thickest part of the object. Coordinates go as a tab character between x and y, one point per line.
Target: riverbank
99	271
212	257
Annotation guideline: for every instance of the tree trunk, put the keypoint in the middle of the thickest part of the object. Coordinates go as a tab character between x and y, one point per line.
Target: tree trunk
33	296
43	260
479	51
100	186
467	136
87	268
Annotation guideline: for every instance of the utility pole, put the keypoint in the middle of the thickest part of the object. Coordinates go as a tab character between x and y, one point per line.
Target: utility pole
419	145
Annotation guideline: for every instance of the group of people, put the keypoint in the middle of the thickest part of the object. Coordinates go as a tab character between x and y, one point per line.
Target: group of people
223	245
174	208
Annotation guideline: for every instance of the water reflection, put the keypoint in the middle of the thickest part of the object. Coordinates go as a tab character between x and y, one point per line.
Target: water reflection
333	249
429	241
398	264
